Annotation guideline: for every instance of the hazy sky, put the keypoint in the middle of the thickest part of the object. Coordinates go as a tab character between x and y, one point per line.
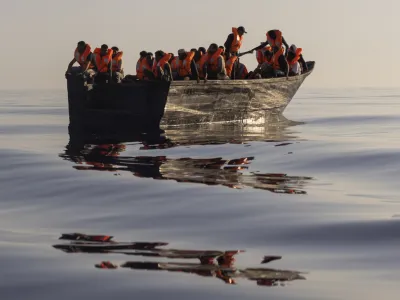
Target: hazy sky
354	42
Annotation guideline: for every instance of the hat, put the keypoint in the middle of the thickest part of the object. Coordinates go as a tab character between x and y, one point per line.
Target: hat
242	28
181	51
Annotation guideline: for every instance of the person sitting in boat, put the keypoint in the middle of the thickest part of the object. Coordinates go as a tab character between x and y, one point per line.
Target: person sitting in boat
174	62
279	62
234	41
103	61
214	64
117	70
241	71
84	57
297	64
186	66
161	68
261	57
274	38
141	65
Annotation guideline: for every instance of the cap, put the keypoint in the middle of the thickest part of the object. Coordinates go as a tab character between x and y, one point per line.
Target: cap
181	51
242	28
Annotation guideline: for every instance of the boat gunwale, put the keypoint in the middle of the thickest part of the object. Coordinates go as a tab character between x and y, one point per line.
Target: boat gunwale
183	83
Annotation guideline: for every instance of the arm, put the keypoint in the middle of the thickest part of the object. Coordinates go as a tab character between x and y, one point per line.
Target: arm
286	46
261	46
303	63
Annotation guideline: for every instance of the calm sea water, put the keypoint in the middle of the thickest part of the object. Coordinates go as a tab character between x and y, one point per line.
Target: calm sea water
335	215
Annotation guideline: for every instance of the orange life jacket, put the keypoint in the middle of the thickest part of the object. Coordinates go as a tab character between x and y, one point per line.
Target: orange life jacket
229	65
278	41
213	60
184	66
175	64
160	64
260	55
237	40
116	60
241	71
275	59
296	58
141	65
81	58
102	62
202	61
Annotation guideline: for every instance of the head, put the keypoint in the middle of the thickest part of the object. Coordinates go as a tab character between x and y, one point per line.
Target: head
193	50
213	48
241	30
143	54
202	50
103	49
159	55
223	49
197	56
149	56
182	54
81	46
115	50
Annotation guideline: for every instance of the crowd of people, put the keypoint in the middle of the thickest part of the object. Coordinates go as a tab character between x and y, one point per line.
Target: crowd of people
274	56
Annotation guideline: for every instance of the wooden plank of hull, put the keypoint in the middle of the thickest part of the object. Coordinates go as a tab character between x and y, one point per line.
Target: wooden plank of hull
235	100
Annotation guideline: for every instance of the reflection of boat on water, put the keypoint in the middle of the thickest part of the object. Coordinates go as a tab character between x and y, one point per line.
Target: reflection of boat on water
232	173
212	263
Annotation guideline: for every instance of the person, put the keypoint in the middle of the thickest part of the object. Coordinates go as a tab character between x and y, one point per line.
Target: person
223	52
214	64
297	64
141	65
241	71
84	57
186	66
274	38
117	70
260	54
161	67
103	60
174	62
234	41
279	63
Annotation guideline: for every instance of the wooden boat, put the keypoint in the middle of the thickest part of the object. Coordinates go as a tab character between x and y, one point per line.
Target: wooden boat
230	100
142	106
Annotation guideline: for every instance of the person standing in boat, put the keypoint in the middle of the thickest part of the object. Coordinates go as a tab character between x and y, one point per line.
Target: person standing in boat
117	70
161	67
214	64
103	60
186	66
234	41
297	64
274	38
84	57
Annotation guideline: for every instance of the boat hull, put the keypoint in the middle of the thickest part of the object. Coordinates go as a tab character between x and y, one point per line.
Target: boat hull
125	107
226	101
